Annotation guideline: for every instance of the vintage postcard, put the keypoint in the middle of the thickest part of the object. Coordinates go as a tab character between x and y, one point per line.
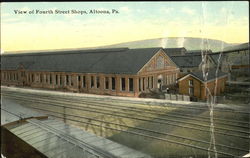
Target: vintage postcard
125	79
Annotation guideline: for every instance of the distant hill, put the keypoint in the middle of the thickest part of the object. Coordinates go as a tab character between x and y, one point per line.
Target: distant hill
173	42
238	46
189	43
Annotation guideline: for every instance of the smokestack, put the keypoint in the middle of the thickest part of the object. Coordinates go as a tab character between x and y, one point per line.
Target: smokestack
180	42
2	51
164	42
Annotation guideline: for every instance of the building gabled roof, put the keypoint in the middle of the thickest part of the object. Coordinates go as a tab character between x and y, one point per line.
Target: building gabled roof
109	61
189	59
235	48
175	51
211	74
215	57
198	52
242	60
185	61
237	60
210	77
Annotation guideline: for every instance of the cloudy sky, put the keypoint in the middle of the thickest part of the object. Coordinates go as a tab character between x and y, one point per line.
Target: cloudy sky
227	21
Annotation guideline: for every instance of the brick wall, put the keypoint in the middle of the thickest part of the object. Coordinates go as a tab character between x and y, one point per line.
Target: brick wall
74	81
199	87
219	88
184	86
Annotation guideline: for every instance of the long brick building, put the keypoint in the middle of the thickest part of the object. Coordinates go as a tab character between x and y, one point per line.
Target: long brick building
118	71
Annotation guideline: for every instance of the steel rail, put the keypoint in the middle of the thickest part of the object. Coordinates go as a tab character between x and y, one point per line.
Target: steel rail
97	104
162	104
12	113
245	137
143	129
144	135
155	111
67	137
221	145
77	107
175	105
151	113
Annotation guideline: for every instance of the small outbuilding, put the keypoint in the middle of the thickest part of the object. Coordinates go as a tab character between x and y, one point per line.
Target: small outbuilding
197	86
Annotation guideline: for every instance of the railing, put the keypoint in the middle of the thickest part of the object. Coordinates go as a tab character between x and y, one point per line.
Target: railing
177	97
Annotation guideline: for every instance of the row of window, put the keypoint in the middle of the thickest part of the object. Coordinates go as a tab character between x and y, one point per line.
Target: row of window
107	83
111	81
167	79
170	79
10	76
68	80
48	79
146	82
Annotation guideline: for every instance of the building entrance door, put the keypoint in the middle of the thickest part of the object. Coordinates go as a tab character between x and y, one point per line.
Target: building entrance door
159	82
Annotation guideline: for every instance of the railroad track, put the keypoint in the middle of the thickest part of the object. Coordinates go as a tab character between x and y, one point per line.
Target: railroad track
180	142
95	107
95	152
139	117
109	100
135	109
